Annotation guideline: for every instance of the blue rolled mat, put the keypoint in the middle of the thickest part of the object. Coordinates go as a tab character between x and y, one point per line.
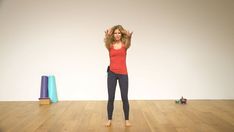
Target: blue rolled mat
44	87
52	89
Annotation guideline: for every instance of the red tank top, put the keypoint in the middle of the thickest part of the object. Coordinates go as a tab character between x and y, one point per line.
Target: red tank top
118	60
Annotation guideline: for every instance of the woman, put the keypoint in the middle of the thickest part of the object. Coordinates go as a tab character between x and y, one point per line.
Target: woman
117	41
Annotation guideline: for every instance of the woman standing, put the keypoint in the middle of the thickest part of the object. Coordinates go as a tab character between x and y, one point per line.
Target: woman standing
117	41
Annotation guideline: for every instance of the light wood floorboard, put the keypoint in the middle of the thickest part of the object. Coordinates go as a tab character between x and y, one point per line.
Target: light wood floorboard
145	116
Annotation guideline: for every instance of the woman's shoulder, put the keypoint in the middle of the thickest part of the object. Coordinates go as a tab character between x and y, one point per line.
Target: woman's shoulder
124	45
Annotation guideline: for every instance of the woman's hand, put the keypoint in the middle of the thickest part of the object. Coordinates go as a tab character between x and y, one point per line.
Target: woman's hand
129	34
107	37
108	32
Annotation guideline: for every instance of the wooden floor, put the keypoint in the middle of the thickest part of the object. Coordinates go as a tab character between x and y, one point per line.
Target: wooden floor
145	116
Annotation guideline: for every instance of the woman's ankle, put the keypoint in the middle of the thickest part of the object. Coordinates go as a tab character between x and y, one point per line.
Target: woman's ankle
127	123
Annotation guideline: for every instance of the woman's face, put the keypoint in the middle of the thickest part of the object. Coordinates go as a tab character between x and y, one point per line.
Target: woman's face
117	34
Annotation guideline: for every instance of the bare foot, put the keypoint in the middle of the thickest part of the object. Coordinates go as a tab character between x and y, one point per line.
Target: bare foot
127	123
108	124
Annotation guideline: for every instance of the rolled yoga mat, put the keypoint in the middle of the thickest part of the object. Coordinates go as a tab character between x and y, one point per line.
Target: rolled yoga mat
44	87
52	89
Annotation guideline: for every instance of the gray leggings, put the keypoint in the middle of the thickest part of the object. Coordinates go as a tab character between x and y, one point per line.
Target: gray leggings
123	83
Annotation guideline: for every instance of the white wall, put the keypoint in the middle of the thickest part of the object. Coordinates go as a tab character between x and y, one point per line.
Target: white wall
179	47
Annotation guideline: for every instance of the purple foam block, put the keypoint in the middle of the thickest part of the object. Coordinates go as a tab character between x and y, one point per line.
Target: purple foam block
44	87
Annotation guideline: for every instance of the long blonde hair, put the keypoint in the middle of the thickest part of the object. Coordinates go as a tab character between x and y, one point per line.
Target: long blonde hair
110	39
